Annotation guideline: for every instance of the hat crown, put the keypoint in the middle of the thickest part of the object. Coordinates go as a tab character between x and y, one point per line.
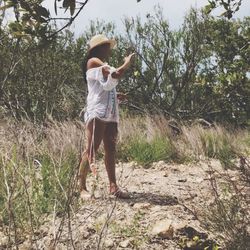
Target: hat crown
97	39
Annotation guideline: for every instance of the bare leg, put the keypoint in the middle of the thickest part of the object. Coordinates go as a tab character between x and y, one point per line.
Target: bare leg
110	140
83	171
92	147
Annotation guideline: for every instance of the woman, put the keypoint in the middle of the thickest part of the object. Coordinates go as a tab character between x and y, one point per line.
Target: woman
101	115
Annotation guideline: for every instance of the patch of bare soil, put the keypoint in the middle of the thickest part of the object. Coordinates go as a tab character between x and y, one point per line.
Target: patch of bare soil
163	213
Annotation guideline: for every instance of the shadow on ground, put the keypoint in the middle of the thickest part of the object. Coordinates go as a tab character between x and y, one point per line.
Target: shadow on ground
152	198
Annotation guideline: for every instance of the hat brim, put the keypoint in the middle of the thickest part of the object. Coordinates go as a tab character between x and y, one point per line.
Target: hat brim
112	43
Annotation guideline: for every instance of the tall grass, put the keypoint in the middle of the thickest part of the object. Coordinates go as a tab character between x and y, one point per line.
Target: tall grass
37	162
36	166
146	152
215	142
146	140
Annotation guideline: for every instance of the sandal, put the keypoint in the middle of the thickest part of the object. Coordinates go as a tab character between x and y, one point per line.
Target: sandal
120	194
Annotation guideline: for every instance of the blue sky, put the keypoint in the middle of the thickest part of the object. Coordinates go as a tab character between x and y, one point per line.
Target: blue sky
116	10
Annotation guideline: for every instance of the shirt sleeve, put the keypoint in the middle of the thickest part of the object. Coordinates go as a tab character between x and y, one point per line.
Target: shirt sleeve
108	83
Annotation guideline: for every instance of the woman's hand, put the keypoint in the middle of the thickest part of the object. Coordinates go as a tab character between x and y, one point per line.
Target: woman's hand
122	97
128	59
121	70
105	72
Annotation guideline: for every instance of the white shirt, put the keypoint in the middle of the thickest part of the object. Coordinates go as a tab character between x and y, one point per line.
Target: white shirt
102	100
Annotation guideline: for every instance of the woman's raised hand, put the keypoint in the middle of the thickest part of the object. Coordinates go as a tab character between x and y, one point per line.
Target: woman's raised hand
121	70
128	59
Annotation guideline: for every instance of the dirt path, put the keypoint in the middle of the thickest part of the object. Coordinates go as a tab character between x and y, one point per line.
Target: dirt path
163	212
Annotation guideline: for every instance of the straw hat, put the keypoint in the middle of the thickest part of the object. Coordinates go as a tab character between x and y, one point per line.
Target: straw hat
99	40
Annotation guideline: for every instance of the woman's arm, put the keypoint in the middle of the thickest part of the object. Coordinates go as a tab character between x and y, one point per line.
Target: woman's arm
121	70
96	62
101	73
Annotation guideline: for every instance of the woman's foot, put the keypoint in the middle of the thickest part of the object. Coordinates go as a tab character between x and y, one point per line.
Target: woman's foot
85	195
118	193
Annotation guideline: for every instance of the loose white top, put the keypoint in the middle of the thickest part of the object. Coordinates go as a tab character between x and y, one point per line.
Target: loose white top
101	100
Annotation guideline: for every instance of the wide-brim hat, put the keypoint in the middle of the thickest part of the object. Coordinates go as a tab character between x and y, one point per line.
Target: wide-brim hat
101	39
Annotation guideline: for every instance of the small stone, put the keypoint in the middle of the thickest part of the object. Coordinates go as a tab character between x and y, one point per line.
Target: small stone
3	240
199	180
109	243
234	178
60	246
180	225
141	206
160	165
163	229
165	174
83	232
190	244
125	243
182	180
101	219
156	209
175	170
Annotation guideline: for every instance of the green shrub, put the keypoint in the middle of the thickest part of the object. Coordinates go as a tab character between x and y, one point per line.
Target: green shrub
145	152
31	191
219	145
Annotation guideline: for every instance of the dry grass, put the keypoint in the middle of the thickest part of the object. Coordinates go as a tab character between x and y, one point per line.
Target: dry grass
192	143
38	163
37	172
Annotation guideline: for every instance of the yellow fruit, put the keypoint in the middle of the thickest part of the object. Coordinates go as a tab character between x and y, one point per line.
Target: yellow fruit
136	73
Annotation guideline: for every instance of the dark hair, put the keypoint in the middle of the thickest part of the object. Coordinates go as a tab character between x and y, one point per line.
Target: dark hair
95	52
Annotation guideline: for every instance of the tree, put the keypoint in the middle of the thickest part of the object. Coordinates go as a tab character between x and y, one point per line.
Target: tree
32	19
200	70
230	6
42	82
168	61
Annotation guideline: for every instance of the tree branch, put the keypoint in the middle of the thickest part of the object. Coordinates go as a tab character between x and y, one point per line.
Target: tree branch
70	21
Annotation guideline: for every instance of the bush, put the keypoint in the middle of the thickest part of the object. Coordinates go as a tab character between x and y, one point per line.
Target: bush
215	142
218	144
146	152
228	216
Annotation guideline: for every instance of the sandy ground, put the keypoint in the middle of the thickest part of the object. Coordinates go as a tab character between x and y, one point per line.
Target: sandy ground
169	198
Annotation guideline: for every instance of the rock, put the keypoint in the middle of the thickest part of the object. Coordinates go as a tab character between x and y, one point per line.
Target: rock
192	231
141	206
180	225
163	229
26	245
109	243
175	170
160	165
182	180
85	234
101	219
61	246
3	239
199	180
125	243
165	174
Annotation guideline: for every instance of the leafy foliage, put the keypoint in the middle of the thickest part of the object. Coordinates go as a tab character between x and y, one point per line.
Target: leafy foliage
146	152
200	70
230	7
32	19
